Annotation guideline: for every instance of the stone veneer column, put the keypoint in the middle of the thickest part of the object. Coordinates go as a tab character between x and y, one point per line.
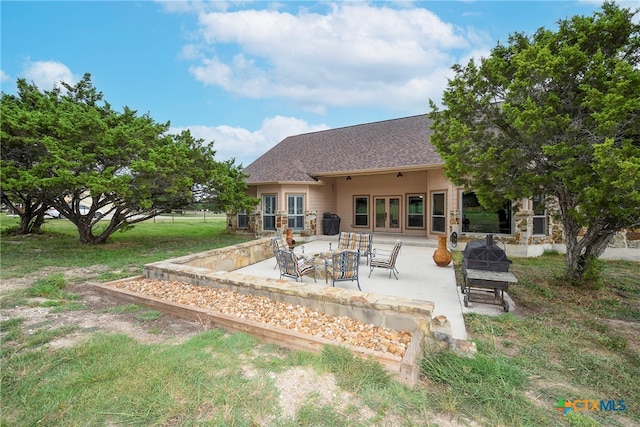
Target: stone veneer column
523	227
258	223
454	222
282	222
310	222
232	221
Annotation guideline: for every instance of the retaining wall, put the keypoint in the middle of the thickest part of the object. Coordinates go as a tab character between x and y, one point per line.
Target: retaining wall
217	267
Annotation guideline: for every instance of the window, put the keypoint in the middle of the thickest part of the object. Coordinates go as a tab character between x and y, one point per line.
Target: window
243	219
539	215
438	212
361	211
477	219
295	211
415	211
269	212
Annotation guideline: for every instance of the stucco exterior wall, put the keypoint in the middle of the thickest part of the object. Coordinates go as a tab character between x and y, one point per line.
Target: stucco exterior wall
322	198
381	185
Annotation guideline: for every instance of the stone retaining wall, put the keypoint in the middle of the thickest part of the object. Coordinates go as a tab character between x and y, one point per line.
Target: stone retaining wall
215	268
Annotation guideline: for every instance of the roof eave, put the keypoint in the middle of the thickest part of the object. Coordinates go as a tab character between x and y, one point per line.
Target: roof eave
409	168
314	182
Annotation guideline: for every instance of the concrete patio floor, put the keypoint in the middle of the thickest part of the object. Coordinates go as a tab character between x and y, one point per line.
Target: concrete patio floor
419	278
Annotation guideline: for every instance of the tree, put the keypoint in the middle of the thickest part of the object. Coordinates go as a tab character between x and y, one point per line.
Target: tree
21	130
227	190
119	163
557	114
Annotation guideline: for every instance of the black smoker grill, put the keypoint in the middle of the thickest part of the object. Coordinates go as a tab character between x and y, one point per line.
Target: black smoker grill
485	269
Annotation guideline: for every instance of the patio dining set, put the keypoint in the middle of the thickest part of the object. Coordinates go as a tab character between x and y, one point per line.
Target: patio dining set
339	264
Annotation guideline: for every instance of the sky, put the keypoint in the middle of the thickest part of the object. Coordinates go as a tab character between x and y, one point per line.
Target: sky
247	74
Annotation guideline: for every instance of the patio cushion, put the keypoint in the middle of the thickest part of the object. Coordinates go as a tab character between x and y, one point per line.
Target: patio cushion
364	245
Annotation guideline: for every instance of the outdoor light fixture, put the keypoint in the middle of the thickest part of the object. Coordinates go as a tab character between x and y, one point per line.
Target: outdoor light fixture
399	175
349	178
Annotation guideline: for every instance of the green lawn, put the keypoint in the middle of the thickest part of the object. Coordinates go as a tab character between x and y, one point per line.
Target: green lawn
563	342
147	242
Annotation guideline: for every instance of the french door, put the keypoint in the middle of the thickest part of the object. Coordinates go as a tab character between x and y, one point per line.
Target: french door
387	214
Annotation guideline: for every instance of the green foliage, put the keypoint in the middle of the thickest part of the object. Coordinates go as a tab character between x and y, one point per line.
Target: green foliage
50	286
10	330
149	315
354	373
127	308
580	420
481	380
69	149
557	113
312	414
592	274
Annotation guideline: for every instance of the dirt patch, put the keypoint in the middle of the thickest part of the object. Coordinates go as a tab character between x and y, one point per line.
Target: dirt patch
98	313
629	330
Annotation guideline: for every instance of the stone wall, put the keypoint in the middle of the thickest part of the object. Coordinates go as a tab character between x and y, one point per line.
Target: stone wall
523	232
256	224
215	268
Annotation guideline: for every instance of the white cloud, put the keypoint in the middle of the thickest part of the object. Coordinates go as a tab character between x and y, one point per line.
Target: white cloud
4	77
245	145
356	54
46	74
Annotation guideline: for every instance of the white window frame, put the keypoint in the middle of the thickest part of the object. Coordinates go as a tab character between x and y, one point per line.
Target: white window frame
539	217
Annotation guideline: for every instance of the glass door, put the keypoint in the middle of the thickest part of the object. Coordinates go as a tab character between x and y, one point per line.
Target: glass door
387	214
269	212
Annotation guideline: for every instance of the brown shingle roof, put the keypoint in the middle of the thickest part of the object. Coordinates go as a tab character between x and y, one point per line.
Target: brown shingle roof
382	145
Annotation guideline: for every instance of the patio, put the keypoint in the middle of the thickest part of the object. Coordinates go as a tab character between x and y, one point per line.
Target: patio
419	278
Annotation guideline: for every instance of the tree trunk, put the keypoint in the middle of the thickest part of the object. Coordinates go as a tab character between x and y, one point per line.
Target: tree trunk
117	222
582	252
31	217
85	233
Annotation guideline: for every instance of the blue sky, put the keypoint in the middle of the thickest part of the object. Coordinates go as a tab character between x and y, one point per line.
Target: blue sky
248	74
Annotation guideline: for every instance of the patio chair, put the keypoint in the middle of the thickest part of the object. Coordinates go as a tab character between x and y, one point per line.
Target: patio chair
385	259
347	241
294	267
278	244
365	241
343	265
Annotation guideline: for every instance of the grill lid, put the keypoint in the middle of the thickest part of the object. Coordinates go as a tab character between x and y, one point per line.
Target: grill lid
485	255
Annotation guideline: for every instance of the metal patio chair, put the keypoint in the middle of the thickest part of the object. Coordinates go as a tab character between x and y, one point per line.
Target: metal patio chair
343	265
278	244
294	267
385	259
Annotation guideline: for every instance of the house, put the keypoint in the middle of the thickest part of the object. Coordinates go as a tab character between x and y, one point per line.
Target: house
381	177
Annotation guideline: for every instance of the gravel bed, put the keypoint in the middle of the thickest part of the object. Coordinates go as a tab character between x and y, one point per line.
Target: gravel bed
341	329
